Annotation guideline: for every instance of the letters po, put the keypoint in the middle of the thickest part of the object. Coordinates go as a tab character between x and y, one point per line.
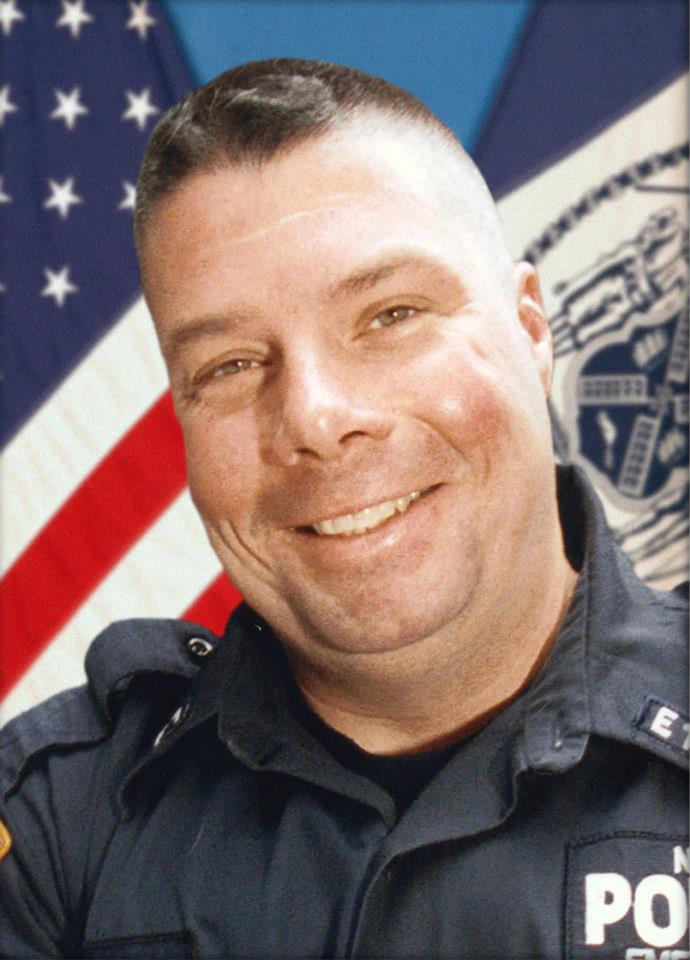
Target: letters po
609	897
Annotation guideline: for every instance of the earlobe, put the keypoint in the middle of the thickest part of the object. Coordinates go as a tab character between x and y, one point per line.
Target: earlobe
532	316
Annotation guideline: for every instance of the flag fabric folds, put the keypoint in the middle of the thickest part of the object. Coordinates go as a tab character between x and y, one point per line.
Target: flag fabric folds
587	147
96	520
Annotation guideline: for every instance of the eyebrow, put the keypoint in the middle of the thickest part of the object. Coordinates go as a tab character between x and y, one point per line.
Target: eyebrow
363	279
206	326
369	276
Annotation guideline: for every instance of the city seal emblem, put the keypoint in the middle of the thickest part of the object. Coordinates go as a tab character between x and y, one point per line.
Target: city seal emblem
614	267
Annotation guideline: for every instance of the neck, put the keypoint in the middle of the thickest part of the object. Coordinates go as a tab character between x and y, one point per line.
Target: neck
446	686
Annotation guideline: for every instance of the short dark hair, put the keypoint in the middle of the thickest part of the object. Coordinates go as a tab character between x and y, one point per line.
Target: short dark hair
249	113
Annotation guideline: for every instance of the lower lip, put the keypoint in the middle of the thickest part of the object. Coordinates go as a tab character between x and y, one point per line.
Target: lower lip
387	534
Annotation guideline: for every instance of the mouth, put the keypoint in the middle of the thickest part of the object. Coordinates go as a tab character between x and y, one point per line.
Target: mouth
356	524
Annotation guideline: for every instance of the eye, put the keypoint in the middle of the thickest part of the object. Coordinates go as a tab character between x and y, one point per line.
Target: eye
231	367
387	318
225	369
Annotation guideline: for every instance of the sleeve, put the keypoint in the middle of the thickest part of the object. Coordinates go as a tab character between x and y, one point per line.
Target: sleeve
59	765
49	757
32	915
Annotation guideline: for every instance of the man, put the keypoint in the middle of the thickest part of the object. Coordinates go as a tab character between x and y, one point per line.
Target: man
448	720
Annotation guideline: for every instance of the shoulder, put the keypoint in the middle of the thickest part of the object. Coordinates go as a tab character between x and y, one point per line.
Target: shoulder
159	655
638	673
59	767
636	637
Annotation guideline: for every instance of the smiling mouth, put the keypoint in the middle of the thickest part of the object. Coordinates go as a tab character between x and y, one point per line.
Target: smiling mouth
355	524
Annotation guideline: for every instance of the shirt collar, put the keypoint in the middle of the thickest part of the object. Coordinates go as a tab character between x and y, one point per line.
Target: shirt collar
255	722
243	686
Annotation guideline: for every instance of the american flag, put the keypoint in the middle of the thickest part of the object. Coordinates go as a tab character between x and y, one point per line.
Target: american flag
97	524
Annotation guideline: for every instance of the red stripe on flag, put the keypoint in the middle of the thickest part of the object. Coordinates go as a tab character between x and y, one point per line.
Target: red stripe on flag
215	604
88	535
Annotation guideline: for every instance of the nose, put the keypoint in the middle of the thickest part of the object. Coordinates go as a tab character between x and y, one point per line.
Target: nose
322	408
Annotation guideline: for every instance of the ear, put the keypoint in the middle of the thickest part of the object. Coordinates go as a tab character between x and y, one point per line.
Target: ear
533	319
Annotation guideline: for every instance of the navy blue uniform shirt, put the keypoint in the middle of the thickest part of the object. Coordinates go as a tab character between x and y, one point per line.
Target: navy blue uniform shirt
177	807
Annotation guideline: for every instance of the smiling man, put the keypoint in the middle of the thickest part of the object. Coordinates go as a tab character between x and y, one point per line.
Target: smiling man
447	722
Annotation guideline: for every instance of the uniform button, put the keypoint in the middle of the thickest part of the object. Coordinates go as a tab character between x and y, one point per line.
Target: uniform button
199	646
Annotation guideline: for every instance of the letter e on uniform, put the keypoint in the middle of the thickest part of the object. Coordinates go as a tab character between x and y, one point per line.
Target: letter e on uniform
608	897
663	722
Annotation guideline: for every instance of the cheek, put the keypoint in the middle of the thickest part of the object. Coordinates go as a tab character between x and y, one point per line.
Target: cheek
219	465
467	399
475	414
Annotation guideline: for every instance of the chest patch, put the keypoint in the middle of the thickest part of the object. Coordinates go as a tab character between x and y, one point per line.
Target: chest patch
626	897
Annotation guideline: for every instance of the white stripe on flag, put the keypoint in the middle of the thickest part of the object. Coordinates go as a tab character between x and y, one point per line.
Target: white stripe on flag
72	432
162	575
657	123
609	229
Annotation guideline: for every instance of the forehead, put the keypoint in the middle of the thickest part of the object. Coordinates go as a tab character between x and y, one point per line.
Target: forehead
389	161
329	205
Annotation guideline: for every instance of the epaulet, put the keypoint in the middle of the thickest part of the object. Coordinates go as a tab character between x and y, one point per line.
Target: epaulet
639	687
85	715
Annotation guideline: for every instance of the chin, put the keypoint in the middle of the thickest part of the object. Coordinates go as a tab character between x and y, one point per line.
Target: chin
377	627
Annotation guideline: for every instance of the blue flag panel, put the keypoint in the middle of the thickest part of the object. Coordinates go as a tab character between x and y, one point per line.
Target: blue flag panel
580	64
81	85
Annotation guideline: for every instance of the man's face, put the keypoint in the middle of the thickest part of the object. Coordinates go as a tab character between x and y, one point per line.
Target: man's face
361	388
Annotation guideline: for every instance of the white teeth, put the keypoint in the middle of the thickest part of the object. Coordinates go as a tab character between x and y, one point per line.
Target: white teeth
367	519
